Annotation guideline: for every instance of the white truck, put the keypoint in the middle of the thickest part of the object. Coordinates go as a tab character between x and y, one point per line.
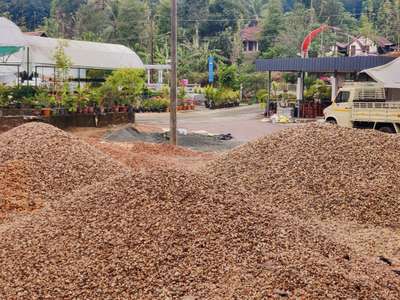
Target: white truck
364	105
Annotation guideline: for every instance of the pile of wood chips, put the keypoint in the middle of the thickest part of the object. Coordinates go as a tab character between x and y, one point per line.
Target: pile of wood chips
218	233
15	189
145	156
322	171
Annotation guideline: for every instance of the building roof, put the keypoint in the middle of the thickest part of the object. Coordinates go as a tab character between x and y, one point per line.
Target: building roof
251	33
380	40
36	33
352	64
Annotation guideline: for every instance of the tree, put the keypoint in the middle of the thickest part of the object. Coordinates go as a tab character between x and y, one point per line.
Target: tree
386	19
272	23
62	67
164	17
223	14
198	12
92	21
295	26
366	27
63	12
26	13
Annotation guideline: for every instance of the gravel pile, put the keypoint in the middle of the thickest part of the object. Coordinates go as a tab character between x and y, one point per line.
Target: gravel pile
58	163
174	234
322	171
160	236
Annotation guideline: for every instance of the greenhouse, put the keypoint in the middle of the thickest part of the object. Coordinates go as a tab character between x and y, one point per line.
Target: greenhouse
33	56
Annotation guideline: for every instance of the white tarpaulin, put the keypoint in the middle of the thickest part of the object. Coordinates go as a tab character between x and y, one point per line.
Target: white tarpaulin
82	54
388	75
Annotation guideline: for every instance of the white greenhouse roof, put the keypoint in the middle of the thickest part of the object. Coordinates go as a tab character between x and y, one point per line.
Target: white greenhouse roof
388	75
82	54
10	34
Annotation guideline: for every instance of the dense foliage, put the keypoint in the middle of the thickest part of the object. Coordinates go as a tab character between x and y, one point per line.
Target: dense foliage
209	27
205	25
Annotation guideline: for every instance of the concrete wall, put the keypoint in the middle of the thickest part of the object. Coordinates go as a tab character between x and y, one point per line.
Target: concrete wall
64	122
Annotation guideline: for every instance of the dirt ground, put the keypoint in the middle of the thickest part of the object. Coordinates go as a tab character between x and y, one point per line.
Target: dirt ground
140	155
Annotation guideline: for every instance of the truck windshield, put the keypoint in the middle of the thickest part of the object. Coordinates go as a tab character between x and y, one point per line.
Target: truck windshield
342	97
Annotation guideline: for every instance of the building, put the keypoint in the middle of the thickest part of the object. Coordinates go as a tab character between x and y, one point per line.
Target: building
36	33
33	54
364	46
250	37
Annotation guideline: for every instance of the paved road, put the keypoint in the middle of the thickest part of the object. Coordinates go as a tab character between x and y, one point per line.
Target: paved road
244	123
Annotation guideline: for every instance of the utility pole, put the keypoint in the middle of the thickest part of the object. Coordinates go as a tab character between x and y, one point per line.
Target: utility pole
174	42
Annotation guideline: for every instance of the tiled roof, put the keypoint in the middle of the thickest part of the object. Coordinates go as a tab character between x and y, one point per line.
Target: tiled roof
251	33
36	33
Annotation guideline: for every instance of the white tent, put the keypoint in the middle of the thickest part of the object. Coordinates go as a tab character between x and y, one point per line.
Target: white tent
388	75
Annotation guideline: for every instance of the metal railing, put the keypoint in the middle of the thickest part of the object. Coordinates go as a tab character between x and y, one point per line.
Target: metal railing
376	112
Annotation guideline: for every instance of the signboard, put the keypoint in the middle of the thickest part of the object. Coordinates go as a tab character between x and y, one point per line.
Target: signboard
210	69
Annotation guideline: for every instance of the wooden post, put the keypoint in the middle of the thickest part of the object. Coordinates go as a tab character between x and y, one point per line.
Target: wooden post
174	41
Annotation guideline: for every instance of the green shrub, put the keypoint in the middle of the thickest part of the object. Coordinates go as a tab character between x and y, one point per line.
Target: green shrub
5	93
252	82
229	77
155	104
319	90
44	99
124	86
210	93
262	95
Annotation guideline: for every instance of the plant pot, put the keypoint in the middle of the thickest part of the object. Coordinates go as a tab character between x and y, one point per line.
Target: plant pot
46	112
123	109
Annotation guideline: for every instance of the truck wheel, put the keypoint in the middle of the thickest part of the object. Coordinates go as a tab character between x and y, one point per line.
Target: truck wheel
386	129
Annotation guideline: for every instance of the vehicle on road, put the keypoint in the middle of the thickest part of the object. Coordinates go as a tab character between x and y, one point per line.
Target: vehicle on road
364	105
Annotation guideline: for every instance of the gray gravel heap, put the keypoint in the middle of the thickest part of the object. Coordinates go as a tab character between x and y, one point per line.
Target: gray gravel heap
170	234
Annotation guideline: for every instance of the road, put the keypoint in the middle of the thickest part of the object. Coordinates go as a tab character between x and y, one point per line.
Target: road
244	122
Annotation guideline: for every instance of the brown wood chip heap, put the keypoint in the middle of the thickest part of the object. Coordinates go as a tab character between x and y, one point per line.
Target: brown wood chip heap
307	213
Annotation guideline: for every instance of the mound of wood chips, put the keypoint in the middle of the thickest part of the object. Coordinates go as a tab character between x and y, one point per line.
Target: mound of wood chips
323	171
59	163
171	234
15	189
177	234
140	155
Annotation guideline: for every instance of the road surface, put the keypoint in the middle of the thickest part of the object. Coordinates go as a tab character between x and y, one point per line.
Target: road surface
244	122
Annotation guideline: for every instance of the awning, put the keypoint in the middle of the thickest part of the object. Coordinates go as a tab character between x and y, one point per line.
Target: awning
9	50
388	75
